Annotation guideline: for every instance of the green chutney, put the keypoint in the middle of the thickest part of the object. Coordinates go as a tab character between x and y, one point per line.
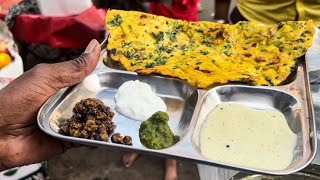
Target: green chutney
155	132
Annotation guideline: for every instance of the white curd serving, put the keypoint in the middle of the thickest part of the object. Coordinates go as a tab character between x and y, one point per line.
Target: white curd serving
136	100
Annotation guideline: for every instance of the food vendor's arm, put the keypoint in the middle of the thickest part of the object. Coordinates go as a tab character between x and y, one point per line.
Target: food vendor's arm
21	141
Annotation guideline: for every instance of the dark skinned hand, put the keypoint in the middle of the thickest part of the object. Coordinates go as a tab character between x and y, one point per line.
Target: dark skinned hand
21	141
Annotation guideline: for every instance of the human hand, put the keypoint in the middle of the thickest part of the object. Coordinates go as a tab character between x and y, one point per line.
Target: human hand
21	141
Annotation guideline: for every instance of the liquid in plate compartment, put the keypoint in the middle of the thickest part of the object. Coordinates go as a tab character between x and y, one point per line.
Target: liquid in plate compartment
236	134
179	97
258	98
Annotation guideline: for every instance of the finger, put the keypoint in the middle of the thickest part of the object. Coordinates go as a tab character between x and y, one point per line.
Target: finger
65	146
35	86
129	158
171	169
71	72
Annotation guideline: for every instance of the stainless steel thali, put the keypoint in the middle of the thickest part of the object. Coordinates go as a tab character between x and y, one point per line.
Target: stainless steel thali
184	106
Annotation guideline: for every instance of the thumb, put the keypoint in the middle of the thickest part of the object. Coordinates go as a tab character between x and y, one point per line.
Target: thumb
71	72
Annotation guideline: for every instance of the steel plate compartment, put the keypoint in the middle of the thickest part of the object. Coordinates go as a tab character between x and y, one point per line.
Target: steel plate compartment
179	97
259	98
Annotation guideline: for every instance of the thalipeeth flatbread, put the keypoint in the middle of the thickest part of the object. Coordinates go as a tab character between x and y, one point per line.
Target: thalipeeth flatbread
206	53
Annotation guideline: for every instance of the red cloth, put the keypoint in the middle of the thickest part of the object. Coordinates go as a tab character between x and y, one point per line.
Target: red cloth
61	32
2	16
180	9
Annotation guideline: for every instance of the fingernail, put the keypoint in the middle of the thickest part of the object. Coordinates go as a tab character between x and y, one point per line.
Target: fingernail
93	43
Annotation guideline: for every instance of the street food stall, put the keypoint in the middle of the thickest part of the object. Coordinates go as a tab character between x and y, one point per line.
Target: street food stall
240	100
276	134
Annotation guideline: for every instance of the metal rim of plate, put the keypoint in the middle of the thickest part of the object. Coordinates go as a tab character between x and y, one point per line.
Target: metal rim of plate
184	149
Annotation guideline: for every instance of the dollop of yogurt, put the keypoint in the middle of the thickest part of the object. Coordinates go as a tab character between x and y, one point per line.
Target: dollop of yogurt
136	100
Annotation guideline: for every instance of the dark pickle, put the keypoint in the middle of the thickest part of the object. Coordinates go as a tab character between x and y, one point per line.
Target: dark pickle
117	138
91	119
127	140
155	132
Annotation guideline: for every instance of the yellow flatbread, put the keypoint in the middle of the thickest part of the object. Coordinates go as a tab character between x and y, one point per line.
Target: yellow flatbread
206	53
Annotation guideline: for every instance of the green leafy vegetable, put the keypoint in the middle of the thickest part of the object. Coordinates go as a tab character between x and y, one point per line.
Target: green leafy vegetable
161	60
149	65
172	37
204	52
159	37
116	21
